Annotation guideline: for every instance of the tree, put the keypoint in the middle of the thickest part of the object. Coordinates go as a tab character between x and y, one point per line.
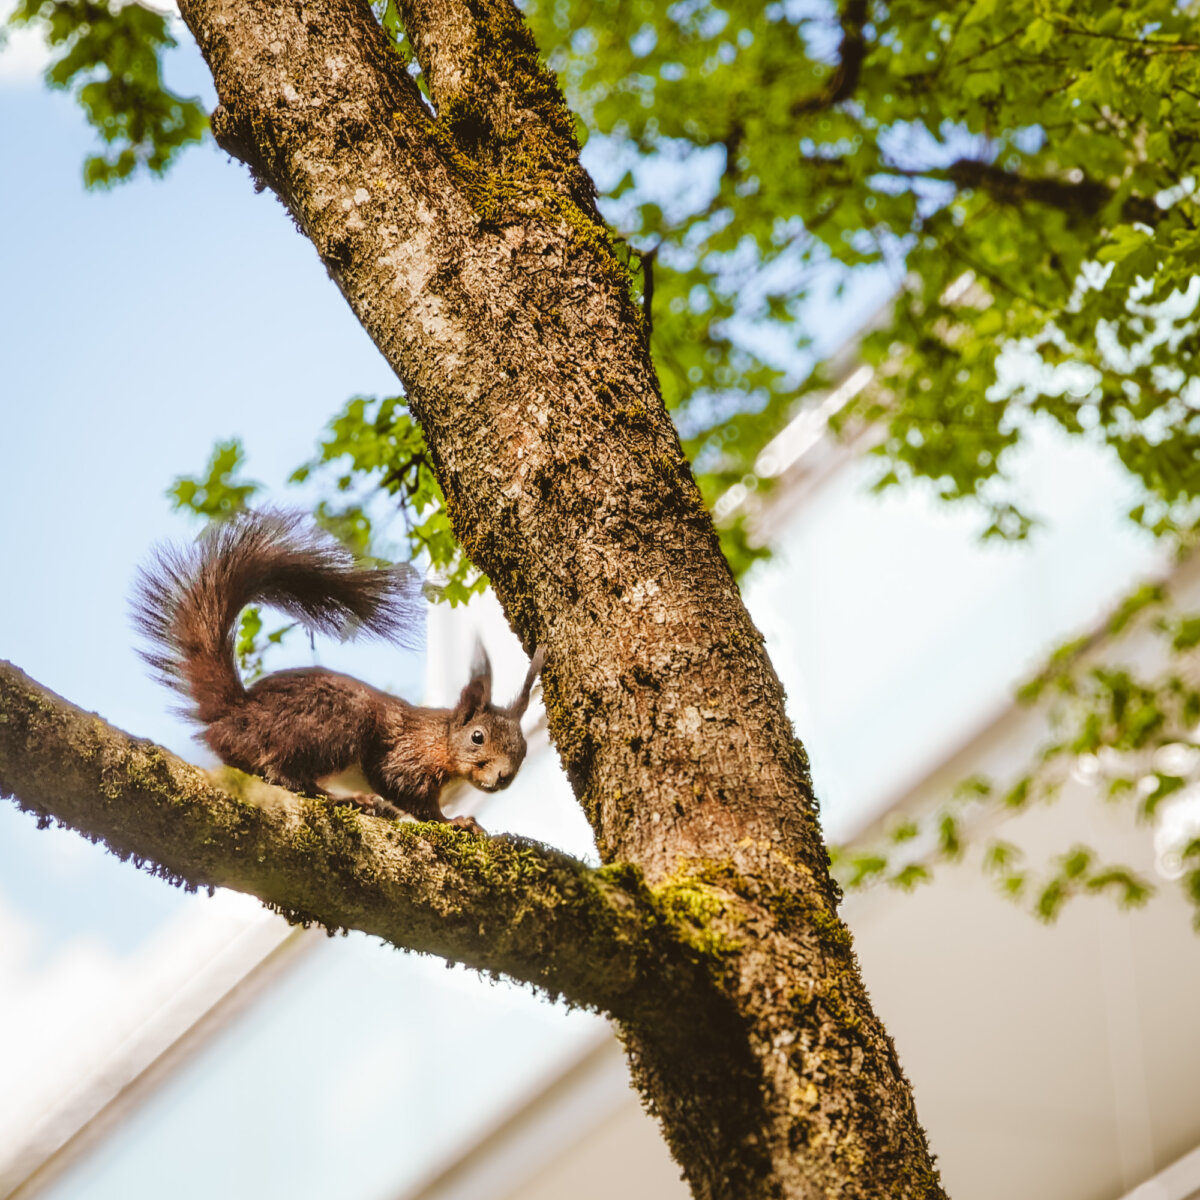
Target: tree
987	156
469	245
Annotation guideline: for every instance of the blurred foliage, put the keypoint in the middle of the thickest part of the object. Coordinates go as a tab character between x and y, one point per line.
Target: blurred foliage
108	57
1022	172
1130	733
1020	178
374	446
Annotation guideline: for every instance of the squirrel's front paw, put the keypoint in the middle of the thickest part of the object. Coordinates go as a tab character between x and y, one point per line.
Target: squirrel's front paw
468	823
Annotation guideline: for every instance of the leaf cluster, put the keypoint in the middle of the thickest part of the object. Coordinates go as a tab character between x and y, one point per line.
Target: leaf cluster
1021	171
109	57
372	447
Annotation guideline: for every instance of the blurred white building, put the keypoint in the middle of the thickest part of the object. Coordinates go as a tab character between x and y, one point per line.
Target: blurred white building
151	1041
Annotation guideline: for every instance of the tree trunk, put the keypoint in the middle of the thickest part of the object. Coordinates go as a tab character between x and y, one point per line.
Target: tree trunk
468	245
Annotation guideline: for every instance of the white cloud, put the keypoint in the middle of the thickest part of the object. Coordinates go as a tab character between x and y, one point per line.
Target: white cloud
23	56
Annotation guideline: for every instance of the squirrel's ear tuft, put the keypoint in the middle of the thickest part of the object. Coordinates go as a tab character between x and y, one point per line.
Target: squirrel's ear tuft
521	703
477	694
471	701
481	669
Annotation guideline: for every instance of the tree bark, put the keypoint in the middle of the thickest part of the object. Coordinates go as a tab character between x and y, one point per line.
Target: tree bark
467	243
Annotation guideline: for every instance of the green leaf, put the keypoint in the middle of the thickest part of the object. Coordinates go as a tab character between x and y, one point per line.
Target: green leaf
1126	240
220	491
374	445
910	876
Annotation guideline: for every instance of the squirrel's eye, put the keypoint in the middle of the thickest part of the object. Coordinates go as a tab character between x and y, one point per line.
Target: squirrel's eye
477	737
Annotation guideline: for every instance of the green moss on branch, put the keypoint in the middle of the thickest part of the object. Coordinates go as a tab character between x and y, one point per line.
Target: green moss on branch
502	904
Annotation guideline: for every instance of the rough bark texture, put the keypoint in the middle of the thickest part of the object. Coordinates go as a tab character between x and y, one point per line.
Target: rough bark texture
468	246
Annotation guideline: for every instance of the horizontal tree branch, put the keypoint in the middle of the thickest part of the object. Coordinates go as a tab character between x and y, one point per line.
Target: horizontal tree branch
1084	196
501	904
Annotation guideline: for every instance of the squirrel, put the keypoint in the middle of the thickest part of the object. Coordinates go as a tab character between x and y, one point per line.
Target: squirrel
302	728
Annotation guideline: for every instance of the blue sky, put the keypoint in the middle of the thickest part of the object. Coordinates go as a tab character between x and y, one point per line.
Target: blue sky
137	327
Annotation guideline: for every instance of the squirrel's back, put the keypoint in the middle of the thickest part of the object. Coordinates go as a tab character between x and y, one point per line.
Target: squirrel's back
187	600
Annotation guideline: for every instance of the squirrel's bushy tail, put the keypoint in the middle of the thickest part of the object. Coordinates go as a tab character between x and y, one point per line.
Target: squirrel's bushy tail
188	599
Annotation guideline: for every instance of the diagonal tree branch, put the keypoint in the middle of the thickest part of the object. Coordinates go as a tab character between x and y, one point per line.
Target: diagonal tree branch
504	905
498	101
853	49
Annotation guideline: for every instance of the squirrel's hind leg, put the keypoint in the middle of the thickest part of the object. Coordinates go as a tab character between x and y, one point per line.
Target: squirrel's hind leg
366	801
371	803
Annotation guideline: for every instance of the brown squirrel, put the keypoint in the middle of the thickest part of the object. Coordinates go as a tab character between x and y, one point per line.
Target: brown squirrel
301	728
